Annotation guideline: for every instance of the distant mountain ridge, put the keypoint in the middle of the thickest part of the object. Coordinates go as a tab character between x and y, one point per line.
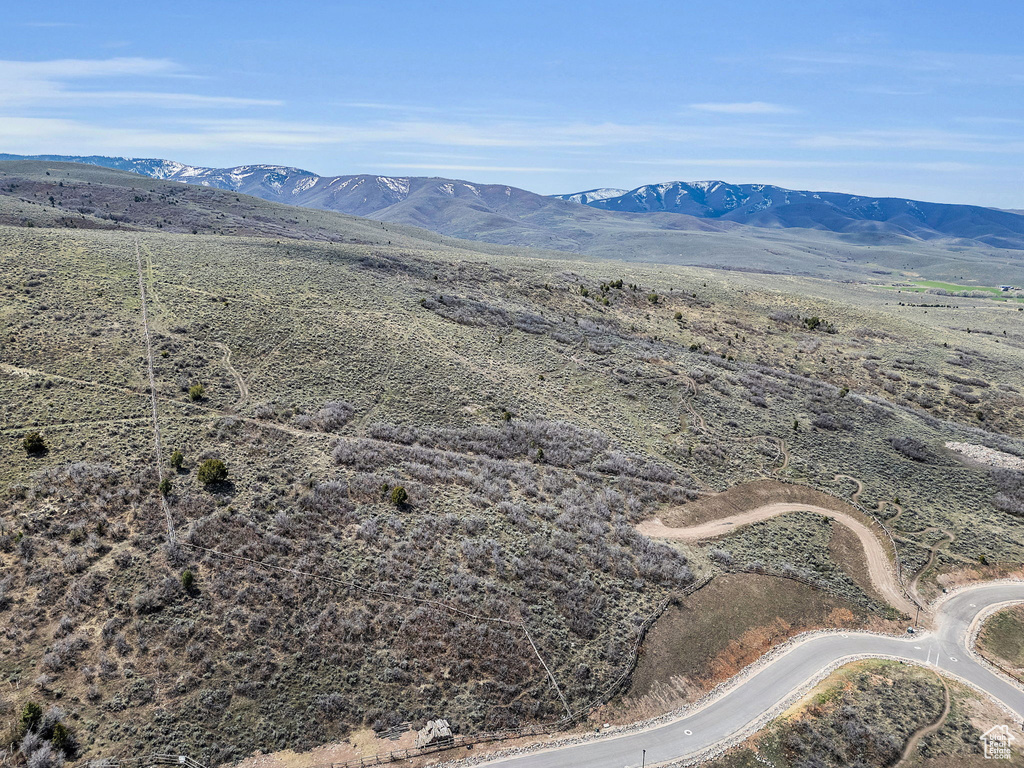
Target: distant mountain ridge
496	213
764	205
234	201
508	215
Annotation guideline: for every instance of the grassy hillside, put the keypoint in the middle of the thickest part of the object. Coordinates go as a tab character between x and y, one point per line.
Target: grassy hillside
1002	640
531	410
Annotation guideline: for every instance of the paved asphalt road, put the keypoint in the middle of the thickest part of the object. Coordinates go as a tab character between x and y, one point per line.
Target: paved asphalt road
945	648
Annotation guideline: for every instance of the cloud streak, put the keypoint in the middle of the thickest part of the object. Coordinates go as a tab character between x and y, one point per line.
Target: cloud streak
48	84
772	163
742	108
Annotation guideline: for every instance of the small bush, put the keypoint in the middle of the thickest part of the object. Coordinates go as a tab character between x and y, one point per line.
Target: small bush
166	486
31	716
1010	497
34	444
196	392
815	323
188	581
45	757
177	460
150	601
913	449
63	740
212	472
399	496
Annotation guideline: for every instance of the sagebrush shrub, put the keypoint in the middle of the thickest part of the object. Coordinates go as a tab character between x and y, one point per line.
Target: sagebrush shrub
34	444
212	471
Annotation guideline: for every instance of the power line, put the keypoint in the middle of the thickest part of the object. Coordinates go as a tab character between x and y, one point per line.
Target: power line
152	392
173	539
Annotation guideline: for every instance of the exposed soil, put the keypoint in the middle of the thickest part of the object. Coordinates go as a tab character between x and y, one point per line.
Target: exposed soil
879	562
747	496
720	629
845	549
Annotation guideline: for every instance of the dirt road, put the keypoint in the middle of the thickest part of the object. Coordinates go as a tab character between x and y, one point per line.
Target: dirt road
880	569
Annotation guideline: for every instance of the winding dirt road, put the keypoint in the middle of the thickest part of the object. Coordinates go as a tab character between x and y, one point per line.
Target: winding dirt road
880	569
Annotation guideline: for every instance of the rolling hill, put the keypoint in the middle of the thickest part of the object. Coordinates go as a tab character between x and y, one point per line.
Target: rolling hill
483	211
531	410
500	214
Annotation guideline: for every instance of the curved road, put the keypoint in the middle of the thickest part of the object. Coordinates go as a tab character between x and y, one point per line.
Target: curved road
743	705
879	564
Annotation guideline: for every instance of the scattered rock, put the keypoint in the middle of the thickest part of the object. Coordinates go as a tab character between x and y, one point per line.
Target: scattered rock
436	733
988	456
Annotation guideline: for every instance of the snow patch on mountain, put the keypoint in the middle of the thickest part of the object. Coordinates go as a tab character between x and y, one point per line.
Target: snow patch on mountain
303	184
585	198
399	186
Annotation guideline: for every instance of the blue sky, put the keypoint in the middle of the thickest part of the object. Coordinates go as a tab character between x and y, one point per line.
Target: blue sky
910	98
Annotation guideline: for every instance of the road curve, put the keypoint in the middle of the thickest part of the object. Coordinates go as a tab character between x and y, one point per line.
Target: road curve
744	705
880	569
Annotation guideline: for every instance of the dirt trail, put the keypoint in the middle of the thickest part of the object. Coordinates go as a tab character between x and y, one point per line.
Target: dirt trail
947	538
15	429
783	451
855	498
892	521
25	373
697	422
243	390
926	731
880	569
158	448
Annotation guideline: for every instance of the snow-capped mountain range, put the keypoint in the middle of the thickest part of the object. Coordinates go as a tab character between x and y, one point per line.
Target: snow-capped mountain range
477	211
764	205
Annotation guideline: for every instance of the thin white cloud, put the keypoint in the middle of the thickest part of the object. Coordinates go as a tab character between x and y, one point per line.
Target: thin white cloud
941	67
501	134
770	163
885	90
48	84
386	107
913	139
743	108
160	99
488	168
163	134
76	69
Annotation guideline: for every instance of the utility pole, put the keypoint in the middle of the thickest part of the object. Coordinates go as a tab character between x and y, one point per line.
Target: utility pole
643	759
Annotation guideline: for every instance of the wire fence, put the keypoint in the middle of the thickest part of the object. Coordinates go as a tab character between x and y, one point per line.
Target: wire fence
158	449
